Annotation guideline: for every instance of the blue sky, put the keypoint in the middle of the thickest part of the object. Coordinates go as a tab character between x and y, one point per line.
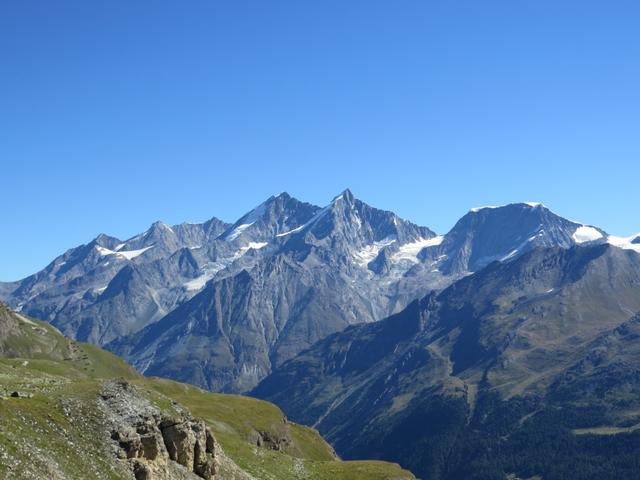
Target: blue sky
115	114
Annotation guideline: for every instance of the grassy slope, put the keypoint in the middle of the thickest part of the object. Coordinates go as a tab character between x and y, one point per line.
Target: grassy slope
53	434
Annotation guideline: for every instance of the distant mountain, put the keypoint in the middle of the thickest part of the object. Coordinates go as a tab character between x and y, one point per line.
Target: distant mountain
219	305
108	288
500	233
529	368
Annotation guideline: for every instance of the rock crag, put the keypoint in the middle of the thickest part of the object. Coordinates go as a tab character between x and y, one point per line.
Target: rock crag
154	444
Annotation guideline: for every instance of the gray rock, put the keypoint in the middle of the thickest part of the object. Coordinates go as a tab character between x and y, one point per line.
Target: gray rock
147	437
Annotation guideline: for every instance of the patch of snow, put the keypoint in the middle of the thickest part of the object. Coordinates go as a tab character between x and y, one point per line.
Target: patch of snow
104	251
254	246
511	254
284	234
624	242
321	213
211	269
199	282
246	221
131	254
128	255
100	290
369	252
434	241
519	248
244	249
233	234
530	204
477	209
585	234
410	251
208	272
165	226
119	247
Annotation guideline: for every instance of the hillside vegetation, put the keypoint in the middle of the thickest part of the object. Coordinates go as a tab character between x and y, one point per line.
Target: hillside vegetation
54	424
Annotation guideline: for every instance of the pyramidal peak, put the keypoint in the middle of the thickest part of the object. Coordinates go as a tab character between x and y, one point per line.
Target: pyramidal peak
277	214
159	225
345	195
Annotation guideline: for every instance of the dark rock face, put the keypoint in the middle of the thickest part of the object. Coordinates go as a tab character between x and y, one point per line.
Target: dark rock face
538	347
141	471
150	439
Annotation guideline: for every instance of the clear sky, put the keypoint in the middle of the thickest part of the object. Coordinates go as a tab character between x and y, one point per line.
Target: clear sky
115	114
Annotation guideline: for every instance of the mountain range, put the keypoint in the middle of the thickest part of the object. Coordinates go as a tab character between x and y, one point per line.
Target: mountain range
222	305
527	369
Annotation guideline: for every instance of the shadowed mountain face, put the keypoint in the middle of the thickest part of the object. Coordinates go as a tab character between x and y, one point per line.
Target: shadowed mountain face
220	305
519	368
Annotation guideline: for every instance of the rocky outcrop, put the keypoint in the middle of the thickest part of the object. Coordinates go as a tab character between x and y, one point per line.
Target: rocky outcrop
271	440
152	442
191	444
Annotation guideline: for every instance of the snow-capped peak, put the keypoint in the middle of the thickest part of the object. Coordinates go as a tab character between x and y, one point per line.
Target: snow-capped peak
491	207
344	195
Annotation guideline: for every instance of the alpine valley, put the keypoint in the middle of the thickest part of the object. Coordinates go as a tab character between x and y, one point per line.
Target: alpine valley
508	347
